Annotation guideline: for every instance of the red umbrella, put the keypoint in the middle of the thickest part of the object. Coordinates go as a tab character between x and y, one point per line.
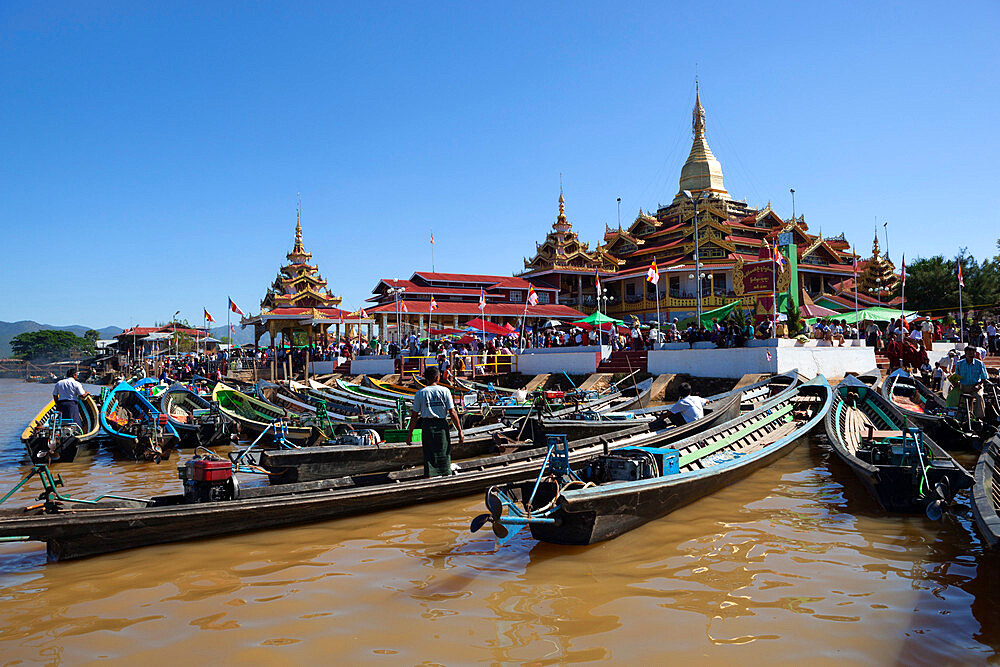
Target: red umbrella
479	324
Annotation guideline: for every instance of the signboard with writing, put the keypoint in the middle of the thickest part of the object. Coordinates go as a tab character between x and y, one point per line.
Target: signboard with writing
758	278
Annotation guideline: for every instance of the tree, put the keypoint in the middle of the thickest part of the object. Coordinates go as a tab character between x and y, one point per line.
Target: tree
91	336
49	345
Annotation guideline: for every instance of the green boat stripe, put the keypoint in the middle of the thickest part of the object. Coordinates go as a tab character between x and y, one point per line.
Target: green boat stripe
730	439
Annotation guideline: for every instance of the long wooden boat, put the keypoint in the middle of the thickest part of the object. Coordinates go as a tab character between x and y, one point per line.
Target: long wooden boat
48	428
389	387
345	456
355	453
136	427
905	470
74	529
986	493
613	493
198	421
255	416
950	427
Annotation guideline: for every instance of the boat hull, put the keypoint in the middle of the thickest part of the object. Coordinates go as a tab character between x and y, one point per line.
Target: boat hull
603	518
36	435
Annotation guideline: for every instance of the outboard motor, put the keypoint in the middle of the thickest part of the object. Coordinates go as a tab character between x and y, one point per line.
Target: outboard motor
208	480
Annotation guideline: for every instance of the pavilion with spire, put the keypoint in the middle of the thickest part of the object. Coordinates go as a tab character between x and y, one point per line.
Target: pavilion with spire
878	277
568	265
299	302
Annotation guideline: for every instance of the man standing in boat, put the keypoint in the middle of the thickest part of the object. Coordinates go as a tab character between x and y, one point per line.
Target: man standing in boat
973	374
66	393
432	405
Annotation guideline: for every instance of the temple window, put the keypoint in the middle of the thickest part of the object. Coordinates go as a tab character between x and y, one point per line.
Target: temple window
515	296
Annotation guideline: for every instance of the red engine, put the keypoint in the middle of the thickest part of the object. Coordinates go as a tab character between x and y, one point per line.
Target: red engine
208	480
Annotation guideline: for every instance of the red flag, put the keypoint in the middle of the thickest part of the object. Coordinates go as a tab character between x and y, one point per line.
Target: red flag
402	307
232	328
432	238
961	280
769	355
236	309
903	271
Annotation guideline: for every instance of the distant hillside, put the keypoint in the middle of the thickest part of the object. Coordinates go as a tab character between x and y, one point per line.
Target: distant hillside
10	329
242	337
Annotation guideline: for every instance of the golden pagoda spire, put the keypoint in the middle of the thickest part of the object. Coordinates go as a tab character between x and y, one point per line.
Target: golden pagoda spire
698	115
298	253
702	170
561	224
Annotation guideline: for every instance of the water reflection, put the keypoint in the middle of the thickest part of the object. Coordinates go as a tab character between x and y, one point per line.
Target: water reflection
793	564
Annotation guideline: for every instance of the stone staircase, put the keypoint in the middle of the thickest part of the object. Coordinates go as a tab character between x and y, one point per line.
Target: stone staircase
625	361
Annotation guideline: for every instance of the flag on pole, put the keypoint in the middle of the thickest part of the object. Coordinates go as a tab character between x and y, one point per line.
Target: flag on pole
236	309
402	307
779	259
432	238
653	275
532	296
769	355
208	316
232	329
903	270
597	283
434	304
482	300
961	280
363	314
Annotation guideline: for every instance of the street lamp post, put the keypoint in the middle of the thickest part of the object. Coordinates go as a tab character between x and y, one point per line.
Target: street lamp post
177	347
395	292
697	248
606	299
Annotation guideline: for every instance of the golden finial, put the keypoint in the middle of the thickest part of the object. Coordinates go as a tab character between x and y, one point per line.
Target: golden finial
298	226
698	115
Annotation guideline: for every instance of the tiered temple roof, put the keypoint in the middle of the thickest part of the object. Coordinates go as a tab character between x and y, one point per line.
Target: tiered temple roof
879	275
298	284
562	250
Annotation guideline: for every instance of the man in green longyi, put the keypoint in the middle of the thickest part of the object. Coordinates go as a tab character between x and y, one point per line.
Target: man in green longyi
432	406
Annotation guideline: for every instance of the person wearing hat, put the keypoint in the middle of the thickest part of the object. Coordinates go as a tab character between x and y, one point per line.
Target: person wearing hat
973	376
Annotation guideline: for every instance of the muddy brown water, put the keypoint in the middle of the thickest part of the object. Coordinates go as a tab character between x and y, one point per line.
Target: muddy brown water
792	564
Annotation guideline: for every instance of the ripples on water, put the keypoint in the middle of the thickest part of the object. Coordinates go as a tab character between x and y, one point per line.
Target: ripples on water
795	563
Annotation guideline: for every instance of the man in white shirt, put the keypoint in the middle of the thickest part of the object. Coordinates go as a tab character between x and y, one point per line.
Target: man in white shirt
66	393
689	407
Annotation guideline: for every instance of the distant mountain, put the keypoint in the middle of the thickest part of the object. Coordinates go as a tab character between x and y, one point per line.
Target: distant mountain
10	329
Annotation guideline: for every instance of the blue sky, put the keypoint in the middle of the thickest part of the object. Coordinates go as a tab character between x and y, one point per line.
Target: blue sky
150	153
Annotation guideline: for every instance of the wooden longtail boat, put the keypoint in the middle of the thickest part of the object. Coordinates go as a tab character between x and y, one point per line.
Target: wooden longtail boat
197	421
137	428
903	468
255	416
73	529
951	428
616	492
986	493
48	428
392	388
348	457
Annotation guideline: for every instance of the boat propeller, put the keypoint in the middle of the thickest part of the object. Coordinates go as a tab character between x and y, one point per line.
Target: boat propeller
495	507
936	508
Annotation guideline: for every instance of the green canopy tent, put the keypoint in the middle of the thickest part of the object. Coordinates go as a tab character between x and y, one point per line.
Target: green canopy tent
875	313
707	316
598	318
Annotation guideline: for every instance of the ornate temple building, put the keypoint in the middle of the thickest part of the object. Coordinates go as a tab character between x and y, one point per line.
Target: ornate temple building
878	278
735	243
299	301
564	263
